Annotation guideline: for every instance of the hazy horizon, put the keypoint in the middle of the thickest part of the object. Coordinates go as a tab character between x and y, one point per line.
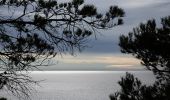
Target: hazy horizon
103	52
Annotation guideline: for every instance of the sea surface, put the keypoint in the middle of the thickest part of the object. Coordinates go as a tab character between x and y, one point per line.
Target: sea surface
79	85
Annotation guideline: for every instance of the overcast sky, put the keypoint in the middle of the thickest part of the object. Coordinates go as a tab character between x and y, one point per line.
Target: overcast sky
104	53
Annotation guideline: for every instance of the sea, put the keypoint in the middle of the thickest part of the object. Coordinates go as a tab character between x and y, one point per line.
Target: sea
78	85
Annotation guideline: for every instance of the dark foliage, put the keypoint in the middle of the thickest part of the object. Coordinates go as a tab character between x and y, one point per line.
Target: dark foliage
151	45
32	31
3	99
133	89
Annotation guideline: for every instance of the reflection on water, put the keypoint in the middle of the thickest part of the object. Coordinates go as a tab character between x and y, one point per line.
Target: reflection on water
79	85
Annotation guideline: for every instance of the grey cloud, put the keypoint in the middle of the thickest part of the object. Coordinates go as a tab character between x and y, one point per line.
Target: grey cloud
137	11
108	41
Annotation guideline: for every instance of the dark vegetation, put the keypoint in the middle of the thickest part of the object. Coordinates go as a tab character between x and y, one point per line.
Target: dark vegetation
150	44
3	98
34	31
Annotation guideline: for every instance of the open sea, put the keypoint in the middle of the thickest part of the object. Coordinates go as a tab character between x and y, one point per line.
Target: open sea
79	85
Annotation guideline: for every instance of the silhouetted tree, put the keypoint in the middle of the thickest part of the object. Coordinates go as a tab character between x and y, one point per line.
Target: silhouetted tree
150	44
133	89
32	31
3	98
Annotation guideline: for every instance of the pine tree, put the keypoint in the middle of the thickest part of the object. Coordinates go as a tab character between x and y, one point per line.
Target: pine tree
34	31
150	44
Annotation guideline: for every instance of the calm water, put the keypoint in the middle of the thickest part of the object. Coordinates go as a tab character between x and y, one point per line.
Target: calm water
79	85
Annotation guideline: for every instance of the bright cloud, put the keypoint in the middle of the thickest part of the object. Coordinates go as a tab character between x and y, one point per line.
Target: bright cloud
124	66
118	61
98	59
141	3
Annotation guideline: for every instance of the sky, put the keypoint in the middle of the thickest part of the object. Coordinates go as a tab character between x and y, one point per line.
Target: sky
103	52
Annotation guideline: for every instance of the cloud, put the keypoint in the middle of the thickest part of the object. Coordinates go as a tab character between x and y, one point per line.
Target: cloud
131	4
121	65
99	59
102	52
106	60
125	66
